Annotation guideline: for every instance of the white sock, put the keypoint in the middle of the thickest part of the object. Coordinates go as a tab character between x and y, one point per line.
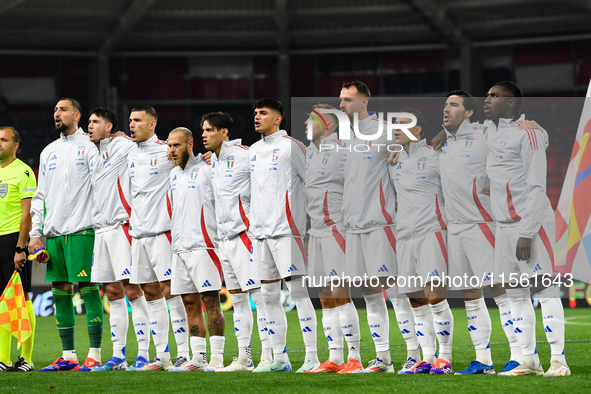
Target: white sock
349	320
159	327
94	353
242	324
524	322
69	355
139	317
180	326
216	347
480	327
443	321
406	324
257	298
306	315
277	321
379	325
198	348
119	322
425	332
334	334
553	318
504	305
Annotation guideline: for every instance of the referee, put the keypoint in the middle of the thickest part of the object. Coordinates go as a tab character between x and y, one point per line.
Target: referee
17	187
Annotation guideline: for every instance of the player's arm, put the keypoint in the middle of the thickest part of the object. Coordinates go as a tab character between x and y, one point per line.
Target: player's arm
439	140
36	210
23	234
533	155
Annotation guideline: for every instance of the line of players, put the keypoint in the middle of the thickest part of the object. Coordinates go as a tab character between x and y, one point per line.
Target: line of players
250	205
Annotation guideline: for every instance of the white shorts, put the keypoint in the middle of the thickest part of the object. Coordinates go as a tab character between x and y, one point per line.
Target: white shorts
278	258
236	256
151	259
111	256
507	267
420	259
371	254
196	271
326	256
471	255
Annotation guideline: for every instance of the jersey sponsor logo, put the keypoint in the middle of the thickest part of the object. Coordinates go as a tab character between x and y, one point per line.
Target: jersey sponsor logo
54	157
3	190
27	173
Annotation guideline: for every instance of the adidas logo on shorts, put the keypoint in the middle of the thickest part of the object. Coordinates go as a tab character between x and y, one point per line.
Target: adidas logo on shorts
82	274
250	282
292	268
383	268
333	273
168	272
206	284
126	272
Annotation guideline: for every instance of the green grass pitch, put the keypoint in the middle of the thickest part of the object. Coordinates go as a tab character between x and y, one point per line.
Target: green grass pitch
48	348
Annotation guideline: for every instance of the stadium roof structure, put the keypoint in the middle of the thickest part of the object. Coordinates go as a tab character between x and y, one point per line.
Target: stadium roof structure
116	27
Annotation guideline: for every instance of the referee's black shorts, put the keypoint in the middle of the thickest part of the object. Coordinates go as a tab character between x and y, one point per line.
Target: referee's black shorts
7	245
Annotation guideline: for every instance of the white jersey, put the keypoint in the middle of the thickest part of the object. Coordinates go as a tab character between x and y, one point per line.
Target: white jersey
149	169
462	164
324	186
230	178
278	199
418	188
63	201
368	197
110	183
193	212
516	166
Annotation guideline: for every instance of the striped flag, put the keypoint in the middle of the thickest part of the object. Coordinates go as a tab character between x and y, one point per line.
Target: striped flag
14	316
573	228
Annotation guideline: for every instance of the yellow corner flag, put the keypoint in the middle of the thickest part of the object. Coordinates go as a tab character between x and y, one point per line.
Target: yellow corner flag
13	310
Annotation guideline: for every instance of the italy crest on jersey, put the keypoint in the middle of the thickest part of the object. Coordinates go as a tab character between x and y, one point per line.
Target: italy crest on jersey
230	161
81	150
105	155
275	154
469	144
421	163
325	160
194	175
153	160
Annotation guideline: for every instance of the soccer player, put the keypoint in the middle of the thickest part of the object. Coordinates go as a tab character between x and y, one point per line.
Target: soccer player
422	251
61	210
196	268
112	245
230	176
326	246
151	253
17	187
516	166
278	224
368	214
470	238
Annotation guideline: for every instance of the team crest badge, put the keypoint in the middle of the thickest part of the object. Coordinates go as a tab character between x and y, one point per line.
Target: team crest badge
81	150
325	160
421	163
105	155
3	190
194	175
230	161
276	154
153	160
469	144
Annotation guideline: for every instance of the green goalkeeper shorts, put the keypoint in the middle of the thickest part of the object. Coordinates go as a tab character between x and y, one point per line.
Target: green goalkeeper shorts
70	257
